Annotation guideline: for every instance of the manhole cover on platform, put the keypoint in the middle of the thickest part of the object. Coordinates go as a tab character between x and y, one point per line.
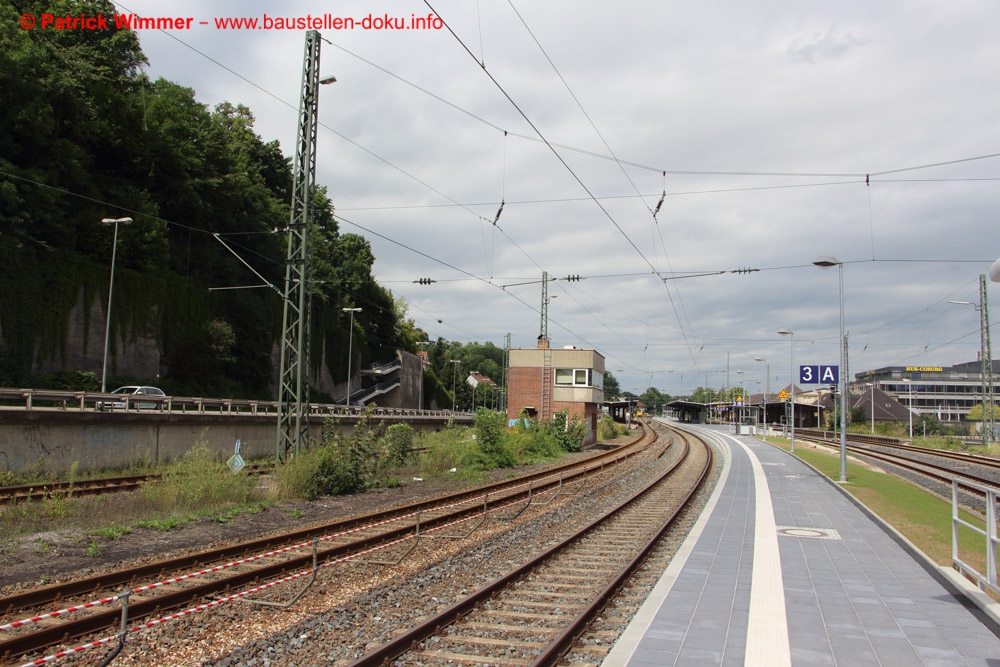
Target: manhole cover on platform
813	533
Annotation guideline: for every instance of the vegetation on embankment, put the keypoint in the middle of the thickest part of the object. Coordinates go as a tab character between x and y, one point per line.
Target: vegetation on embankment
372	456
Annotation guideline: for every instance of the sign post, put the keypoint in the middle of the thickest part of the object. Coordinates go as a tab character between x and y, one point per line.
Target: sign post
235	461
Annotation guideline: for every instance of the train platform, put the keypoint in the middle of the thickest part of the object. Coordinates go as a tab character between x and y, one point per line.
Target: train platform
784	568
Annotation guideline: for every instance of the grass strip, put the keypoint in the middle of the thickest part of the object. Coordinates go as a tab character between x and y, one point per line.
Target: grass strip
921	516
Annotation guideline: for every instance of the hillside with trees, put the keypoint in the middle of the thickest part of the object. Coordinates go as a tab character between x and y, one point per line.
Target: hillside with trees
86	136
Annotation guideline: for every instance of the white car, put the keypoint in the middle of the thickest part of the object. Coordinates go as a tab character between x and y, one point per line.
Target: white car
134	403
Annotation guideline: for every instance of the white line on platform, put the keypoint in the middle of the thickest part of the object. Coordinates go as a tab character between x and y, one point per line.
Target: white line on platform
767	626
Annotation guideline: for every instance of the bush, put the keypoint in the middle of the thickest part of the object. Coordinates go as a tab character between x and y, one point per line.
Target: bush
534	445
489	426
608	429
340	466
568	431
197	481
324	471
400	443
448	449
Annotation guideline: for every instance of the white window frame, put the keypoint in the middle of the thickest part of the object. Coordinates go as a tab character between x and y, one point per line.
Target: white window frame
574	377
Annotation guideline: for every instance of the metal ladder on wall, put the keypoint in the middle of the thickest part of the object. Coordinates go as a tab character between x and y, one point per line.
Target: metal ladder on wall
546	412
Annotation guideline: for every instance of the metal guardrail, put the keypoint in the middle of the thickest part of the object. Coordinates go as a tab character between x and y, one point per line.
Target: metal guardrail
989	580
38	400
852	437
383	368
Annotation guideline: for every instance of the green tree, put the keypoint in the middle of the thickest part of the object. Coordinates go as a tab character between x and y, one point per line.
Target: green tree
611	389
653	398
86	135
976	412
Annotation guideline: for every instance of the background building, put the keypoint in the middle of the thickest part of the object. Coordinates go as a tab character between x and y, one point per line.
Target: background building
543	381
946	392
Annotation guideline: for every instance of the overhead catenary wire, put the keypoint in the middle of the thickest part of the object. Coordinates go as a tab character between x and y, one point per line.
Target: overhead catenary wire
886	180
542	136
566	165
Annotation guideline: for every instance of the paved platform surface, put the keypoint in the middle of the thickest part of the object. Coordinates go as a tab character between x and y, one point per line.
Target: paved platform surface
784	569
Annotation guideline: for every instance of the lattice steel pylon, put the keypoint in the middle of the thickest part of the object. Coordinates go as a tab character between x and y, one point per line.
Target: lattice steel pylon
986	359
544	333
293	382
543	337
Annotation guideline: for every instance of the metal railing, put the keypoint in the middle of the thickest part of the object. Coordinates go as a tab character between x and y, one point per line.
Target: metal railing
383	368
39	400
989	580
852	437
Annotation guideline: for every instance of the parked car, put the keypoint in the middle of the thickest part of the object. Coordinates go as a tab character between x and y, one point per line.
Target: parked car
133	403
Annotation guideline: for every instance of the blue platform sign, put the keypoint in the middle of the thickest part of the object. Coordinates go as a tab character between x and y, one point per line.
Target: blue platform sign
819	374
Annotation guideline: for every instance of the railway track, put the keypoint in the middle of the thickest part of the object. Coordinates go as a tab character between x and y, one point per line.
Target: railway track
899	444
93	487
65	489
535	613
939	468
27	628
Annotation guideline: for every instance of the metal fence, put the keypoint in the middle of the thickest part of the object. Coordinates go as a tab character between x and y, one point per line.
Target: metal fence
83	401
986	581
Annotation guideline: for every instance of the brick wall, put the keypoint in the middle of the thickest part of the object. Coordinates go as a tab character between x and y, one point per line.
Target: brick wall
523	389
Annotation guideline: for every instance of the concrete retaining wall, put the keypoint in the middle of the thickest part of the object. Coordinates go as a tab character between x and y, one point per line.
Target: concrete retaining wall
52	441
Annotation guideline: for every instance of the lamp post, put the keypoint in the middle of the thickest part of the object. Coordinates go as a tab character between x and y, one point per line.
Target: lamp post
872	385
791	334
111	285
985	358
909	384
994	274
743	401
350	352
454	374
764	392
826	262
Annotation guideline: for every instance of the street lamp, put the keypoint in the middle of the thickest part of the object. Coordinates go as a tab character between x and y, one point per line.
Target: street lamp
111	285
350	352
789	332
909	383
872	385
985	358
743	400
420	400
764	391
454	374
826	262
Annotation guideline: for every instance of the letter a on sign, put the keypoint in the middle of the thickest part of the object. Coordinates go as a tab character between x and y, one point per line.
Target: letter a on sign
829	374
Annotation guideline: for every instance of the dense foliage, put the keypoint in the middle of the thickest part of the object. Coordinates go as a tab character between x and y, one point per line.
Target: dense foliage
449	364
86	136
343	464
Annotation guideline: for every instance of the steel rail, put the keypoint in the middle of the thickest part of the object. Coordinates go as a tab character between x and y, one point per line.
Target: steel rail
94	486
930	470
57	632
409	639
56	592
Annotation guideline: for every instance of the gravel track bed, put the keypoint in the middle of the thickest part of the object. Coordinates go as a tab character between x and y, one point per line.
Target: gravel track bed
968	501
353	607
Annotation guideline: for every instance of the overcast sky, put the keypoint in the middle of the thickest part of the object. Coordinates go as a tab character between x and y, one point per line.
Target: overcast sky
768	118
